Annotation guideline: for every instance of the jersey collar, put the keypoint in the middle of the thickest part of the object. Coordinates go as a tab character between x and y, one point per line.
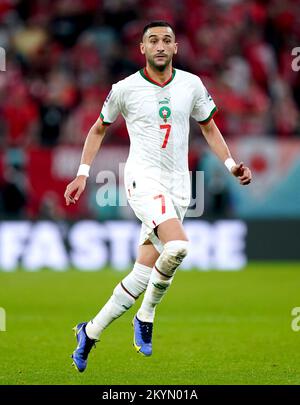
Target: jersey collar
146	76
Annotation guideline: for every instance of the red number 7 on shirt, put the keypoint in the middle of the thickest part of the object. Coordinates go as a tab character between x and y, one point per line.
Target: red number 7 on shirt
167	127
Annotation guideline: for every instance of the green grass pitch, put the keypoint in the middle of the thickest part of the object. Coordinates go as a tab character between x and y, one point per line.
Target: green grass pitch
211	328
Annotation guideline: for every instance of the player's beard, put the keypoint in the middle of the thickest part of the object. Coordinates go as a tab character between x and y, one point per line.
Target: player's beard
159	67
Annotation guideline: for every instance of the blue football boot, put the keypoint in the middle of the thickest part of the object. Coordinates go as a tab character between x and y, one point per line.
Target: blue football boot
142	338
84	345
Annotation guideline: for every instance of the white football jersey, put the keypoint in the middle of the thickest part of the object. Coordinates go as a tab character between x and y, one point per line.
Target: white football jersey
157	119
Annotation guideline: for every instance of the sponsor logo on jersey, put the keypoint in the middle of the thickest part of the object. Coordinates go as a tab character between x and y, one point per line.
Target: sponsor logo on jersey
166	100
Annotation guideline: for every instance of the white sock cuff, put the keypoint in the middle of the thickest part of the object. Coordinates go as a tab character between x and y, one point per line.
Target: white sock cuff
176	245
123	296
141	268
136	281
173	254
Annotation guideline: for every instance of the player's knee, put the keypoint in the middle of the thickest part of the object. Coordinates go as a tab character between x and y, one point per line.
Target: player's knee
172	256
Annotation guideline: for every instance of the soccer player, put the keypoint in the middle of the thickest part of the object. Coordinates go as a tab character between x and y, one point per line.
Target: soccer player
156	103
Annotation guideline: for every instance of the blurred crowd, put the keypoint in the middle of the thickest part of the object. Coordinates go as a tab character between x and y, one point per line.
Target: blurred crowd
62	57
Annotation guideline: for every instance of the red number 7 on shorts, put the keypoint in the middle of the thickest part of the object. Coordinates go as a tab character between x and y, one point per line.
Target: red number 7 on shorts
163	202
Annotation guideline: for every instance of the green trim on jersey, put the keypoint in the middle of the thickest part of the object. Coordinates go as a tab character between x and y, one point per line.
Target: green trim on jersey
103	122
144	74
206	121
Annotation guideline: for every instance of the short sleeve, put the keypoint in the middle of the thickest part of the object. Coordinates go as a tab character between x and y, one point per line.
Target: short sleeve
111	107
204	106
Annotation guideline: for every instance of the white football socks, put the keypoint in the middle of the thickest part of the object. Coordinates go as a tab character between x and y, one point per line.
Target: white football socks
124	296
161	277
158	285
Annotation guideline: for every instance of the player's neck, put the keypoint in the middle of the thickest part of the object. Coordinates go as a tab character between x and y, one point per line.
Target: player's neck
157	76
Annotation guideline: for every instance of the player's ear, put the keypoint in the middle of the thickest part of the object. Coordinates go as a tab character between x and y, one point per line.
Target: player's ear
142	48
175	48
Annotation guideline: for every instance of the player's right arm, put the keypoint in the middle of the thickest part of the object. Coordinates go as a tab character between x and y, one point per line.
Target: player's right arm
91	147
203	111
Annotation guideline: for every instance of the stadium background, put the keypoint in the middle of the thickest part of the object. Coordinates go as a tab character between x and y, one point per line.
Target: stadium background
61	59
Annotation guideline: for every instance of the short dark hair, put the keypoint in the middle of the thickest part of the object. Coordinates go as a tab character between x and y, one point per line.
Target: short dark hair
157	23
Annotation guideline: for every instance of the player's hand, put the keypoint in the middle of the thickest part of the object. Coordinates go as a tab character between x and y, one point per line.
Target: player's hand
243	173
75	189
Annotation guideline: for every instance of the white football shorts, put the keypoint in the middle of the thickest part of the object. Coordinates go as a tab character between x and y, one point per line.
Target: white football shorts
153	207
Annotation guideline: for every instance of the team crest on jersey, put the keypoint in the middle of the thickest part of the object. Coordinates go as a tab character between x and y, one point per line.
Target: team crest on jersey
164	113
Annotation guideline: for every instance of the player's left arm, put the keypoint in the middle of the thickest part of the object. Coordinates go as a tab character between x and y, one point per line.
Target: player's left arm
218	145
